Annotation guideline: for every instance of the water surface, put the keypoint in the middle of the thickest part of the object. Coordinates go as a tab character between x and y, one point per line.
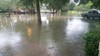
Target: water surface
20	35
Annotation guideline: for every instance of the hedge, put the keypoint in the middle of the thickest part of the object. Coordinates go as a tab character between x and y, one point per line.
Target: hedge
91	41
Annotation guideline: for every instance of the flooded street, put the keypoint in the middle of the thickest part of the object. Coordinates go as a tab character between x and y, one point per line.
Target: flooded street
20	35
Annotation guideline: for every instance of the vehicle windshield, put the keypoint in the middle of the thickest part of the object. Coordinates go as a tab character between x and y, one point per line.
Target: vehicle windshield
94	11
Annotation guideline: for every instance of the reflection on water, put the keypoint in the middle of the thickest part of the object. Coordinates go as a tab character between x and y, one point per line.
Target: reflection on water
58	36
9	38
51	48
75	28
29	31
44	19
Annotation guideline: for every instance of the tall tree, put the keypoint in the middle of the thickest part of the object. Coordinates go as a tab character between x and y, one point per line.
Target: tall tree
32	4
51	4
38	11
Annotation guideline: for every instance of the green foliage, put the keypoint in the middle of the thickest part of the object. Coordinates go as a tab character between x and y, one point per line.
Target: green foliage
56	4
31	4
83	7
84	1
91	40
96	4
80	7
8	4
71	6
88	5
28	3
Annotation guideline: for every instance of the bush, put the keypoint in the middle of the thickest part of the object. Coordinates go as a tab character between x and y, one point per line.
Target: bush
91	40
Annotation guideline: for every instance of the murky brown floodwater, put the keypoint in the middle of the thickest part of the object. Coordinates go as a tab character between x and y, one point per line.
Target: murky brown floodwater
20	35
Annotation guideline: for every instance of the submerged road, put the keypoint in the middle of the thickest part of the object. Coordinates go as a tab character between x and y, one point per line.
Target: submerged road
57	36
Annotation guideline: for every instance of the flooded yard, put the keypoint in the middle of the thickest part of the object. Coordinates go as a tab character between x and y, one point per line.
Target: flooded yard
20	35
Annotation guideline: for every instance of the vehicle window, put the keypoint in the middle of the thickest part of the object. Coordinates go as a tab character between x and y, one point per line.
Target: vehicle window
89	12
95	12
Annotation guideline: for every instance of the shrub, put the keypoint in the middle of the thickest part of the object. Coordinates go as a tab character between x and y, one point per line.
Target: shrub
91	40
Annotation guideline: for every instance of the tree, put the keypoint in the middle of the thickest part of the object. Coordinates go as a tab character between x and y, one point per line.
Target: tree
27	4
51	4
88	5
56	4
84	1
32	4
38	11
8	4
96	4
71	6
80	7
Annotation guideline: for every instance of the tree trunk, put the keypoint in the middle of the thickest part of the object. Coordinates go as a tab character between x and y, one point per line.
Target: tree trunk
9	13
53	12
38	12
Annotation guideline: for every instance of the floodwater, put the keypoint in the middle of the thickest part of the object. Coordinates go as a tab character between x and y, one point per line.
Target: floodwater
59	35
